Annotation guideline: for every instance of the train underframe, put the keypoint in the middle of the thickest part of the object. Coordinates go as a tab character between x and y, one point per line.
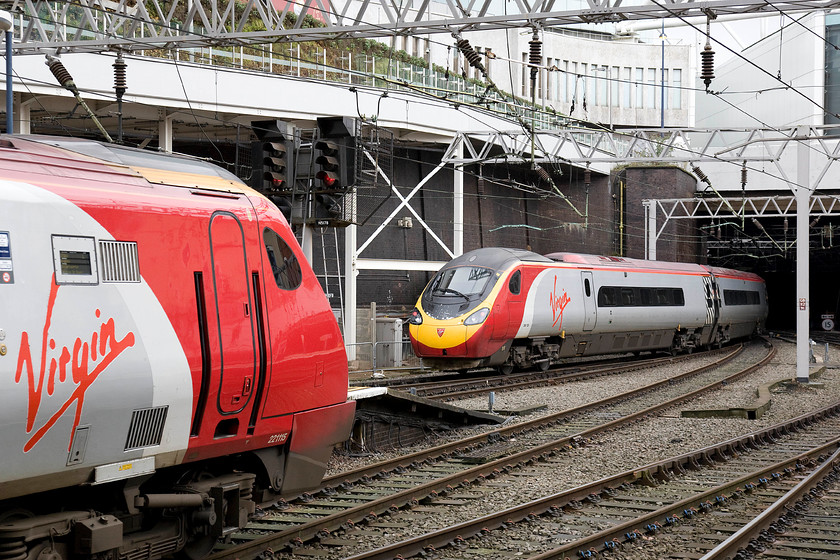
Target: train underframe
177	511
541	352
180	510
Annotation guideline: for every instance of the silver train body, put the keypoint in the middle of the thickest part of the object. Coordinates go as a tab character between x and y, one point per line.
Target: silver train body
542	308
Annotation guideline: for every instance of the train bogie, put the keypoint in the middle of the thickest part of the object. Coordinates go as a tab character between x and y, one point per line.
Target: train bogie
533	309
168	357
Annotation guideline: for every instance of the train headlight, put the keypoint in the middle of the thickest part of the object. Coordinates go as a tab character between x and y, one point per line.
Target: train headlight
478	317
415	318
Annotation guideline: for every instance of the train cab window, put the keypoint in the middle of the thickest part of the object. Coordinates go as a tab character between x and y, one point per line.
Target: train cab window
587	288
515	283
462	281
284	264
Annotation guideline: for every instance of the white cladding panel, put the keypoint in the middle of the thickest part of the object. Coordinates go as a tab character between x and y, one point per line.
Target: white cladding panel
555	303
43	403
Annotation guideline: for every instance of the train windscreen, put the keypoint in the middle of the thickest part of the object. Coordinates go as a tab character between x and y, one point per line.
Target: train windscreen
457	290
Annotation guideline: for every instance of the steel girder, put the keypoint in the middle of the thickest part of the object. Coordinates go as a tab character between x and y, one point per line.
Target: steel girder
129	25
684	145
747	207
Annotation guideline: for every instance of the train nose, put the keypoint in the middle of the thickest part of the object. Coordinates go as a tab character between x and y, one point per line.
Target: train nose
440	339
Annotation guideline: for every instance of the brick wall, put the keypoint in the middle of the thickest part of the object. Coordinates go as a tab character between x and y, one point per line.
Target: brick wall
680	240
509	207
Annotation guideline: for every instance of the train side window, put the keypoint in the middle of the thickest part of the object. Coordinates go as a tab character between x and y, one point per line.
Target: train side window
587	288
284	264
627	296
607	296
741	297
515	283
664	296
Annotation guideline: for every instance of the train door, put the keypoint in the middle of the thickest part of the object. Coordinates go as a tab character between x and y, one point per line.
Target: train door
589	313
507	301
710	287
234	313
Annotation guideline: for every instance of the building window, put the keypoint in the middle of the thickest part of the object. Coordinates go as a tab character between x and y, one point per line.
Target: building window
650	89
525	75
583	84
626	91
565	78
640	87
676	89
550	79
832	71
603	87
614	81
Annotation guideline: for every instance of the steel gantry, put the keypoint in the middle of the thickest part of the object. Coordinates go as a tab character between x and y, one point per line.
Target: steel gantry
789	147
44	26
124	25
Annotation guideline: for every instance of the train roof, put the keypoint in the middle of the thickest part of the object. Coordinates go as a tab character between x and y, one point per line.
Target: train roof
626	262
623	262
496	257
154	167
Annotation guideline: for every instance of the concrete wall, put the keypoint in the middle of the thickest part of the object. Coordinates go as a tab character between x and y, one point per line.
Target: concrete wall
761	89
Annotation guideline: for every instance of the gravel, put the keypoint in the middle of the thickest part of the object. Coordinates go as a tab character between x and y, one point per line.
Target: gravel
667	434
661	436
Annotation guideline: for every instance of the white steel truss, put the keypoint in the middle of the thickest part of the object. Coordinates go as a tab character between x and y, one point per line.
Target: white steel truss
128	25
748	207
684	145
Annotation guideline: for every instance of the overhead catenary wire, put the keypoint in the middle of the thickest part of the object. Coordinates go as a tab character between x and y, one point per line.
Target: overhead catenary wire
669	86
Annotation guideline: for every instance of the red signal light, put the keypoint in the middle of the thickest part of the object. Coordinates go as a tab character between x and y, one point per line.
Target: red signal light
328	178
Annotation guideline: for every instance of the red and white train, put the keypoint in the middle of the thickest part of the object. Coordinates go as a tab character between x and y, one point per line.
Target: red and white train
167	356
511	308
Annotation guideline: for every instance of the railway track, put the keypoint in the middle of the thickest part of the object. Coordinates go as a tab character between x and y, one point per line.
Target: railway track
628	513
452	387
451	472
801	524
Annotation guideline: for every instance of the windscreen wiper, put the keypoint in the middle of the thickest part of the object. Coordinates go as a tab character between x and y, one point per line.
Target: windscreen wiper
451	291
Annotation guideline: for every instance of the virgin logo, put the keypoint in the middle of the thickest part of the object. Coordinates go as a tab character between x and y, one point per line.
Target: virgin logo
558	304
441	331
87	359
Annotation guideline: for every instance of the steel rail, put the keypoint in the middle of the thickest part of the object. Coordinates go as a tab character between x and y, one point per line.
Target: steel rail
504	431
487	470
562	378
660	469
754	529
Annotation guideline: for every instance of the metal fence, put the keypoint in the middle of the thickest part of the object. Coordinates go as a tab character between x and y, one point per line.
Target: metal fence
383	355
363	69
